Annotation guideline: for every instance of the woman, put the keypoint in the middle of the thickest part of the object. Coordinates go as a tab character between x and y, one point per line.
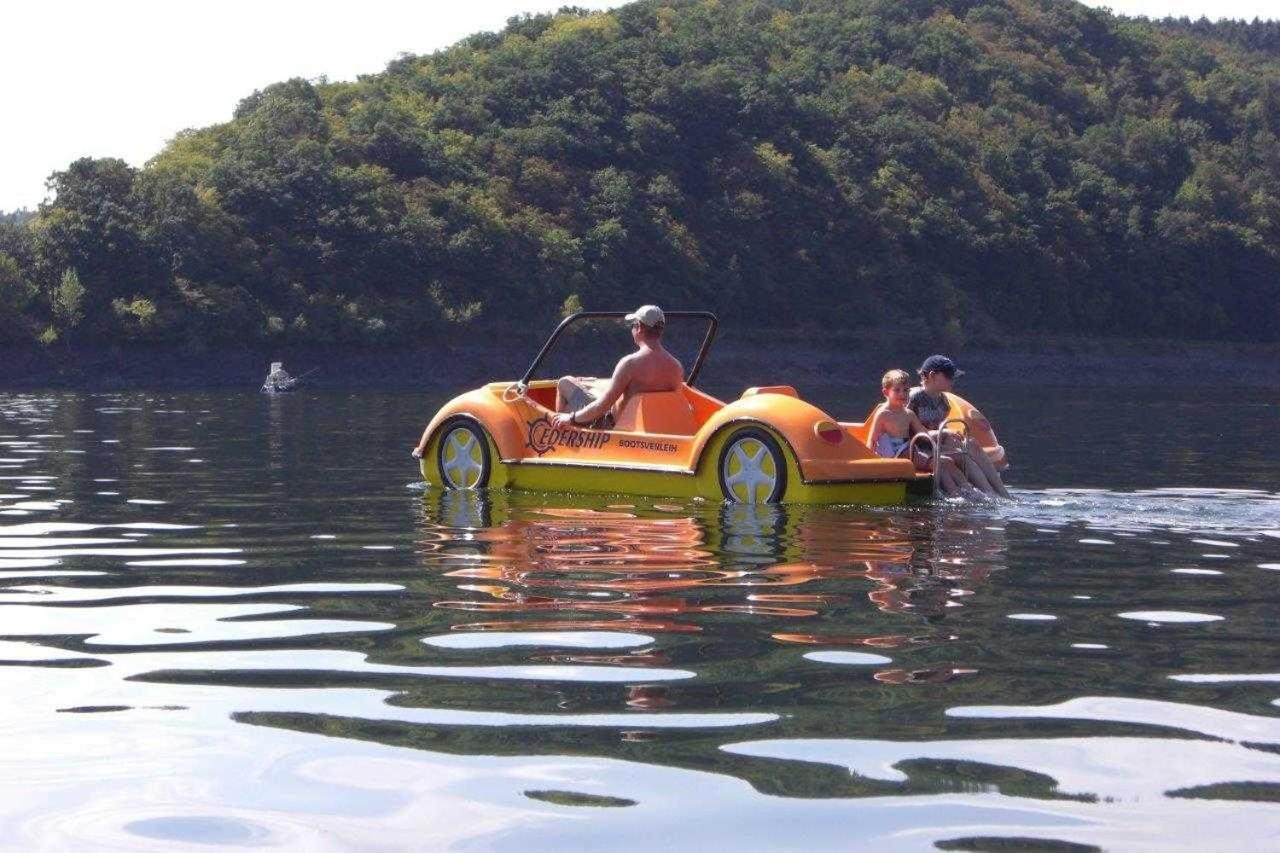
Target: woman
929	401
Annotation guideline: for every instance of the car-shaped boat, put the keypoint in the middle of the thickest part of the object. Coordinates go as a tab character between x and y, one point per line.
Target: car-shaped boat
766	446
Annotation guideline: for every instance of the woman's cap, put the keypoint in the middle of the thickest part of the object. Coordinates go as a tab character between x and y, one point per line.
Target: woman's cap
648	315
941	364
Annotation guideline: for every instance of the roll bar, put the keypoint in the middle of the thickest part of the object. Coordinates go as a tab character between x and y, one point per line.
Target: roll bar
712	325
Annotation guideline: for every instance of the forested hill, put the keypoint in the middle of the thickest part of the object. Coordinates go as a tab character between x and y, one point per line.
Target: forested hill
954	167
1255	35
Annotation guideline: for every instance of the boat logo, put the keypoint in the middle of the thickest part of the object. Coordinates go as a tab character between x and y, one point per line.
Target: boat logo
545	438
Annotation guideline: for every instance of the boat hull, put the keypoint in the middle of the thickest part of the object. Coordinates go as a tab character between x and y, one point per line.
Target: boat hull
544	475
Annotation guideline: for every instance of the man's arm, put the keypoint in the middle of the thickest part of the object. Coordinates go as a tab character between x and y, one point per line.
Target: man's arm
589	414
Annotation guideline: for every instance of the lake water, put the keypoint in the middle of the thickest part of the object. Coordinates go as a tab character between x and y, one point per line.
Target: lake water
231	620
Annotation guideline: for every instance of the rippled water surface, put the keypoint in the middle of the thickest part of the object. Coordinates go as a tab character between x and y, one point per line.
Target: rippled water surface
230	620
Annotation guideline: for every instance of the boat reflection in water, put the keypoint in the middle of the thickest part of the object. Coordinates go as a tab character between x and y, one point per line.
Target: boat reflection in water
666	633
737	581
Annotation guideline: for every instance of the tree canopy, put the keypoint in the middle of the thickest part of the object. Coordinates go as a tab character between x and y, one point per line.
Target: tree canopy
964	167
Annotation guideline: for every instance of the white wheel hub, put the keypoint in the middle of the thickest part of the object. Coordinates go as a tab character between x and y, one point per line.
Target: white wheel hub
462	461
750	471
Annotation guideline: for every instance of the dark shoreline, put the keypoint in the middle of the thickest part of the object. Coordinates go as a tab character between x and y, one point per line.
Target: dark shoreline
738	359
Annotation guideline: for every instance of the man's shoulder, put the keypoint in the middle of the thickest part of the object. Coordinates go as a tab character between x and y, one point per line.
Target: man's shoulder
651	357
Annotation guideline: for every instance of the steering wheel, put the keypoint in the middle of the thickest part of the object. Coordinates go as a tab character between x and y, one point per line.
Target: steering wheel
509	397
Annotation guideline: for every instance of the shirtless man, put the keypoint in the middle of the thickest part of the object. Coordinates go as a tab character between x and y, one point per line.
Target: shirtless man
649	368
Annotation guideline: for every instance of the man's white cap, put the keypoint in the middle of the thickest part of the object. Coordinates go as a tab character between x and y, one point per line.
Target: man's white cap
649	315
276	365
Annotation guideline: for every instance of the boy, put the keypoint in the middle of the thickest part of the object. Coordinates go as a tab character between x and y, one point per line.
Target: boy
893	424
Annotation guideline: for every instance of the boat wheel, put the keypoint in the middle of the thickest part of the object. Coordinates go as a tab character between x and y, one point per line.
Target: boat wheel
752	468
464	456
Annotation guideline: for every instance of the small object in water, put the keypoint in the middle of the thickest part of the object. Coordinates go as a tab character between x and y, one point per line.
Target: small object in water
278	379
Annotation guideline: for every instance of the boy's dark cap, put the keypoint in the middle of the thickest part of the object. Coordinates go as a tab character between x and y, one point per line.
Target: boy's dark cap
941	364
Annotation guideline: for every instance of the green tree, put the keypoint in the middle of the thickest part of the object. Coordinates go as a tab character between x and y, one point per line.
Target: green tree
953	167
68	302
17	293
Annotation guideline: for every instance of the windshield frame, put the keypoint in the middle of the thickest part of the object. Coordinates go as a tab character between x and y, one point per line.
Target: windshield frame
712	324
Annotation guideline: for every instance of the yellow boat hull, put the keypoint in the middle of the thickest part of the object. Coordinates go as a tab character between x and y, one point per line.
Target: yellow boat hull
542	475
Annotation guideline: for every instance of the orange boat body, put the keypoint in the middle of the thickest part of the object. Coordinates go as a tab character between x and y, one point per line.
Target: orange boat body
767	446
682	443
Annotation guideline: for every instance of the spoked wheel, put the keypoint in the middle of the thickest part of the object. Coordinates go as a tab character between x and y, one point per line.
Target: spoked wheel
752	468
463	456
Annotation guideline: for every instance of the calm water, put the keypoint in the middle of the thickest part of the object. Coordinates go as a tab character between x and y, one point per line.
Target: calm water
231	620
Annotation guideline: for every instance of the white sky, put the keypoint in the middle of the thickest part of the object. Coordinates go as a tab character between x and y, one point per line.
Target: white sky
1213	9
119	79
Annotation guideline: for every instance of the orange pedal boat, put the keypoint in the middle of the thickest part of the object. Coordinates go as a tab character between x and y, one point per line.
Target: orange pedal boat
766	446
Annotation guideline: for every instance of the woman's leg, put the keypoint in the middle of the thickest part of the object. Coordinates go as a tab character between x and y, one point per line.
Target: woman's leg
951	480
983	462
947	483
922	457
974	474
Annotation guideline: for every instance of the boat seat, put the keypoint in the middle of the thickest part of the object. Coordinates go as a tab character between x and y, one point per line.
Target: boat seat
859	430
662	412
